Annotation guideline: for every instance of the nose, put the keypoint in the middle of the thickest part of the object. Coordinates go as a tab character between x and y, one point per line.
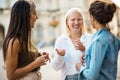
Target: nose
36	17
76	21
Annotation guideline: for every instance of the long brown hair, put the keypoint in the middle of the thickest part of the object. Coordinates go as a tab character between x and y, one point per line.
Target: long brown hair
19	26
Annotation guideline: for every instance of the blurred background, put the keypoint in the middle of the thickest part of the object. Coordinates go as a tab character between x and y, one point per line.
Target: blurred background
49	26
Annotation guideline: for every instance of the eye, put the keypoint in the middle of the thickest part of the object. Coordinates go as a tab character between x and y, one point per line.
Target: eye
72	19
80	19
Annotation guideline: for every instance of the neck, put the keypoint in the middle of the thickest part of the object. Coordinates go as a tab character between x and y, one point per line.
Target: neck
74	36
99	26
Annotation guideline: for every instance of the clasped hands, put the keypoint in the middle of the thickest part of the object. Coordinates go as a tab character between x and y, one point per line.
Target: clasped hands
42	58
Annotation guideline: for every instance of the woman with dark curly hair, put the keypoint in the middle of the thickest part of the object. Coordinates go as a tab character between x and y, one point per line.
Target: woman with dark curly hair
20	56
101	57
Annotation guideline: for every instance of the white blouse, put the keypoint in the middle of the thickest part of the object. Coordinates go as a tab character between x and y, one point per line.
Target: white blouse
67	62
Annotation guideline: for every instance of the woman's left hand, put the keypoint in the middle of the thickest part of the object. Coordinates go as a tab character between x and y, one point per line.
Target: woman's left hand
79	45
45	53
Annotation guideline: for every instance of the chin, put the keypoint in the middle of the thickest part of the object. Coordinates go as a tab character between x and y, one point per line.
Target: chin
32	26
93	27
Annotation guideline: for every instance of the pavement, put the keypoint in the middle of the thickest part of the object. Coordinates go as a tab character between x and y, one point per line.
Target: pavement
47	72
2	70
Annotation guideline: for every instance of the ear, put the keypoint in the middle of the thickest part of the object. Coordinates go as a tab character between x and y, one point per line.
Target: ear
91	17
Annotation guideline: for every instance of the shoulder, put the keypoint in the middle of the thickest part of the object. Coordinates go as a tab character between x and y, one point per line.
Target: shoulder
62	37
86	36
13	49
103	39
14	43
62	40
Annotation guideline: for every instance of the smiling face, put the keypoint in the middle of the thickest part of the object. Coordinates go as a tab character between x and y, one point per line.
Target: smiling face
74	22
33	15
33	18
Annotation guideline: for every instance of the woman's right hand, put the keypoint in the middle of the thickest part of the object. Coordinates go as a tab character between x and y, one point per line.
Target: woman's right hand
41	60
60	52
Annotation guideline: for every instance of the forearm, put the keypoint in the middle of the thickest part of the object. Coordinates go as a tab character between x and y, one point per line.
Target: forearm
89	74
20	72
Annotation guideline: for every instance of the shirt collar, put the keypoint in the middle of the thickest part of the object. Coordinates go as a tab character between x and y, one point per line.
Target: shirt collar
99	31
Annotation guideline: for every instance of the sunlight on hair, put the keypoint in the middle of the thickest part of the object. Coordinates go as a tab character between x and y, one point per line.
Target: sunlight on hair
117	2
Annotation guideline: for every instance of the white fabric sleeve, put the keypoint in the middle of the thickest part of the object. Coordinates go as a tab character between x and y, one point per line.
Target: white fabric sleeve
58	61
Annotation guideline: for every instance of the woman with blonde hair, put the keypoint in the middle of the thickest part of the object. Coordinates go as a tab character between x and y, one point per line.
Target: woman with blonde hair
71	46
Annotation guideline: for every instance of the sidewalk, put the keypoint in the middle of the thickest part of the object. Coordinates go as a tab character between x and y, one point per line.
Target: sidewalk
2	71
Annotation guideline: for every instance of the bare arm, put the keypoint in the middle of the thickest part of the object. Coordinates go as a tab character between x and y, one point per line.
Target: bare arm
13	72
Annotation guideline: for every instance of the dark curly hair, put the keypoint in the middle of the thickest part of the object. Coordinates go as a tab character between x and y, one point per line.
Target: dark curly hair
103	12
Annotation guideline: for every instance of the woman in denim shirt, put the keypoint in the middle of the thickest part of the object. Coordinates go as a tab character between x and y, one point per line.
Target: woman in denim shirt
101	57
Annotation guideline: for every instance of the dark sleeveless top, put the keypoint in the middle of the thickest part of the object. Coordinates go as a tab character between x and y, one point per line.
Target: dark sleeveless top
26	58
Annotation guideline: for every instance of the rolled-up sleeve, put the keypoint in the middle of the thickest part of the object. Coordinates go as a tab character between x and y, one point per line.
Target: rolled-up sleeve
98	50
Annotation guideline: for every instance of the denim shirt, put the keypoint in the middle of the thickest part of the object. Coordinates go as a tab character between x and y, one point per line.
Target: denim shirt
101	57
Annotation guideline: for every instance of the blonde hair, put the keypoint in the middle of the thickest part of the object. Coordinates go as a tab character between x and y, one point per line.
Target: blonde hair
68	14
32	6
31	46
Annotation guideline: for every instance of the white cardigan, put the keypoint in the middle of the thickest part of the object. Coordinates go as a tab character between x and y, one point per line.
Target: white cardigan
67	62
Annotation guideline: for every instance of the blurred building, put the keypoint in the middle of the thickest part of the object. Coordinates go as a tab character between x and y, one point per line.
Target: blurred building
51	21
51	18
